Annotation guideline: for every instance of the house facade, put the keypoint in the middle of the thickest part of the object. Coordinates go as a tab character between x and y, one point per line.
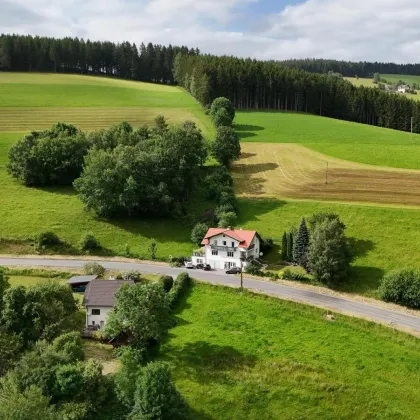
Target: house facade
403	89
99	300
227	248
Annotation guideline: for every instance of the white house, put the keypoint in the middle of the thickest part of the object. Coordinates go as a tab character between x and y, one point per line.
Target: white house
403	89
99	300
226	248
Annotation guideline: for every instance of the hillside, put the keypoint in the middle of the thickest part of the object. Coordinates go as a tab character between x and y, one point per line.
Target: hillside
242	356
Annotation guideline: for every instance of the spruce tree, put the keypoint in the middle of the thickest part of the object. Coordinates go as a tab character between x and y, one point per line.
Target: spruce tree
290	247
301	245
284	247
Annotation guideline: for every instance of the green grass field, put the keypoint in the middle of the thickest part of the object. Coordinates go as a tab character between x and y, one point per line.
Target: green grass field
34	101
340	139
241	357
394	78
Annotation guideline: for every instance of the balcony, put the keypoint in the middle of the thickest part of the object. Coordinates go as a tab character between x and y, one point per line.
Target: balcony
223	248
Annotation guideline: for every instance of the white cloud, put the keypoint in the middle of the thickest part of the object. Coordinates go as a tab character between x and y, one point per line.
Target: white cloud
383	30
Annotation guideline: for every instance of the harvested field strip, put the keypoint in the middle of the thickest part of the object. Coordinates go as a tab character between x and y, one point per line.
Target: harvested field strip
291	170
22	119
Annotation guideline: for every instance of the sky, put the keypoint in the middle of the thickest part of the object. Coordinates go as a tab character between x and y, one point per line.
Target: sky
367	30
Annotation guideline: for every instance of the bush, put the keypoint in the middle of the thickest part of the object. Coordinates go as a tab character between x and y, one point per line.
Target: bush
227	219
401	287
178	261
156	396
224	208
47	239
254	269
93	268
181	285
166	282
293	275
89	243
133	275
198	233
267	244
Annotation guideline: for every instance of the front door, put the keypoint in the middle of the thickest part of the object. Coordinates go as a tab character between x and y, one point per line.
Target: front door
102	324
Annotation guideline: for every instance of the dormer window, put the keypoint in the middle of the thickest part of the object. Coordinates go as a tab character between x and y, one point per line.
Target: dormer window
233	244
224	243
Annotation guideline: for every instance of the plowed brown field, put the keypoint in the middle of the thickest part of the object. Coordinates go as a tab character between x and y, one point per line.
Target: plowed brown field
293	171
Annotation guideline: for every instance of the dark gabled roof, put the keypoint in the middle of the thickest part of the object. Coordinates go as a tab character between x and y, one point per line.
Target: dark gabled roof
102	292
81	279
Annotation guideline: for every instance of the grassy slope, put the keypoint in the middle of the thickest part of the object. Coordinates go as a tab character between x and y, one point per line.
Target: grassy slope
382	238
249	357
26	211
341	139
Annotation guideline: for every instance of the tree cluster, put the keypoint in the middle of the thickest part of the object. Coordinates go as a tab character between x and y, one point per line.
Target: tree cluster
322	250
142	172
50	157
259	85
151	62
349	68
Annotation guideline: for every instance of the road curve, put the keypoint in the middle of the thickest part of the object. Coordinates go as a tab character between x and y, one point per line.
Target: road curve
400	320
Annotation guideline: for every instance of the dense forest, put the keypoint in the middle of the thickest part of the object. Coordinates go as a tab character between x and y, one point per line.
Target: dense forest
262	85
72	55
350	68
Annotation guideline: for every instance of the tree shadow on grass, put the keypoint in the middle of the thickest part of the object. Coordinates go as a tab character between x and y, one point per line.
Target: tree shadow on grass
360	247
199	415
362	280
245	131
208	363
58	190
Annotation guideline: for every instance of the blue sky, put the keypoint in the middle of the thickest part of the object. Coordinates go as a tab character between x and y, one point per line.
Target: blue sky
382	30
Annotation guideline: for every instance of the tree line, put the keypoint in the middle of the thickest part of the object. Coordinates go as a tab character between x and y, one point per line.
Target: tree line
146	62
350	68
260	85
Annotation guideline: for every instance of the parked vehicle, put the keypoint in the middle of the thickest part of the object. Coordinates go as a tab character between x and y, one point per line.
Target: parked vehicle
189	265
207	267
200	266
233	270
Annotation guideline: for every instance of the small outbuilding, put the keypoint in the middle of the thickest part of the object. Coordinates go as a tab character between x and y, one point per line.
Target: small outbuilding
79	283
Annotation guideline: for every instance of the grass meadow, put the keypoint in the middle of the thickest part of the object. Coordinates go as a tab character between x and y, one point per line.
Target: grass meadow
242	356
340	139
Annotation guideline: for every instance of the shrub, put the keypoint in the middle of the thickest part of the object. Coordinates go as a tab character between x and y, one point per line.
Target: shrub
152	249
156	396
224	208
89	243
166	282
178	261
254	269
267	244
132	275
227	219
402	287
47	239
93	268
198	233
293	275
180	286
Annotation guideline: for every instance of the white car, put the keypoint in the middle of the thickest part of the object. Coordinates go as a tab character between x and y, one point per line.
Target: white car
189	265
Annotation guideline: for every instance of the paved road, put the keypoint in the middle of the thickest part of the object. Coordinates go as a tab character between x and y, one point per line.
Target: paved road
337	304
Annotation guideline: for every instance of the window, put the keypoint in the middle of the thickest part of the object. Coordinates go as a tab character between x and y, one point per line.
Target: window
96	311
200	261
233	244
214	252
224	243
215	243
230	254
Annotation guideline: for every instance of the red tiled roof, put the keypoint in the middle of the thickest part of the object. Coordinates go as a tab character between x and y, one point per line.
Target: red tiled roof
244	237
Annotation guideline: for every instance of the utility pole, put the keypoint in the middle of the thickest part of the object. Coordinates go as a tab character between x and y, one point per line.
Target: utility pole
326	175
242	280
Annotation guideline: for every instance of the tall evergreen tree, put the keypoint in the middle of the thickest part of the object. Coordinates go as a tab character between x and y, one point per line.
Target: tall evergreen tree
284	247
290	247
301	245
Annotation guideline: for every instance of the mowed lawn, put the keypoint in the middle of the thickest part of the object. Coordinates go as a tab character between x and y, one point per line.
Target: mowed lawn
34	101
241	356
341	139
